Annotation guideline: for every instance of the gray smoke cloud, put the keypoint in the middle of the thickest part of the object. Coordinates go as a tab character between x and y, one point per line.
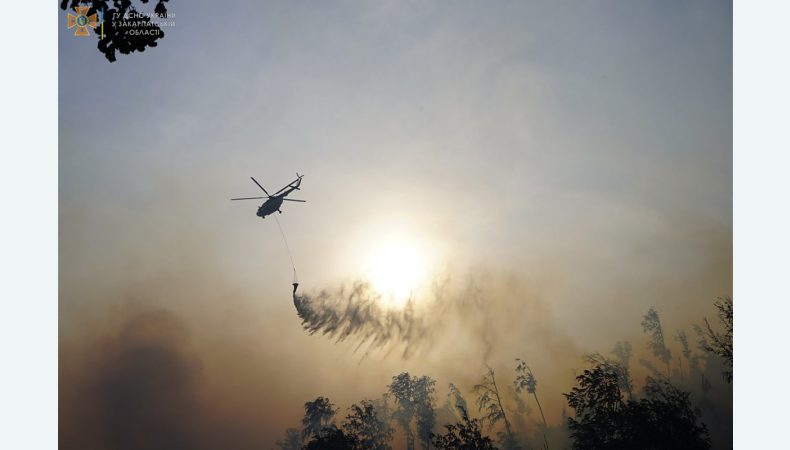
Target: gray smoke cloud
141	385
136	390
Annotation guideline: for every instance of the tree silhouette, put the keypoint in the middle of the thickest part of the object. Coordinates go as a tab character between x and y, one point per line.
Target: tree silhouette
368	426
332	438
489	401
459	402
622	371
525	381
622	353
402	390
318	414
663	419
414	397
605	416
666	419
651	324
683	339
424	391
721	343
596	401
124	30
291	441
465	434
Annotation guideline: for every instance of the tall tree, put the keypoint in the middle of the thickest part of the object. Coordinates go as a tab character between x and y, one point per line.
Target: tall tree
693	359
424	399
662	419
368	426
651	324
291	441
465	434
621	370
622	352
489	401
596	401
458	400
332	438
720	343
402	390
525	381
414	397
318	414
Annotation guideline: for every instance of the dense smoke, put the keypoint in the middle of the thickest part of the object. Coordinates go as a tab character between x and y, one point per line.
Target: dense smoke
141	387
139	391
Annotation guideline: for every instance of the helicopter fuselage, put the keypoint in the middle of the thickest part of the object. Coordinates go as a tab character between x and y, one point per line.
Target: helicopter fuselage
270	206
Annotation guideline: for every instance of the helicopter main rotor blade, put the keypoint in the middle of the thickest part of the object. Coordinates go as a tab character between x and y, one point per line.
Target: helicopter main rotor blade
248	198
293	200
259	185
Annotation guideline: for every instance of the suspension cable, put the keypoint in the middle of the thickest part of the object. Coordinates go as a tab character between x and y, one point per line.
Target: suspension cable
290	255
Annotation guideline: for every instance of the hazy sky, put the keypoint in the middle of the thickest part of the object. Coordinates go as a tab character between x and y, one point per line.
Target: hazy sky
576	153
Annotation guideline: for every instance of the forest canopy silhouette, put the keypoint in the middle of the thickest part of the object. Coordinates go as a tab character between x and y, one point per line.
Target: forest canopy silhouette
667	413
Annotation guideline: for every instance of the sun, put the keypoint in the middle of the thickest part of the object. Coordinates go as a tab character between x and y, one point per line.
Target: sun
397	269
398	257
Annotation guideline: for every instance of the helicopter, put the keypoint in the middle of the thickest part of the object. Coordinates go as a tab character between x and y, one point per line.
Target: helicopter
274	202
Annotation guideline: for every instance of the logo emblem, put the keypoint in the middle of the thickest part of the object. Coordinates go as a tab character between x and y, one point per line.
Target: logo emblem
81	21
